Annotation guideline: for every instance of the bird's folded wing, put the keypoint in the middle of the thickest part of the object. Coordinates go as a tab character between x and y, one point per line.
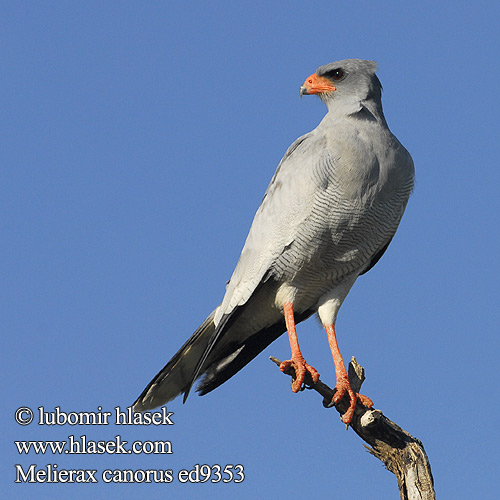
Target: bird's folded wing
286	204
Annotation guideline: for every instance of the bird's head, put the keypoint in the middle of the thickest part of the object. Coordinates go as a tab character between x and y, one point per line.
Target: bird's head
344	83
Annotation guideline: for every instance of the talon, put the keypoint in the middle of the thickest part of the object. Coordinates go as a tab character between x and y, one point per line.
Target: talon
298	363
301	367
365	400
343	386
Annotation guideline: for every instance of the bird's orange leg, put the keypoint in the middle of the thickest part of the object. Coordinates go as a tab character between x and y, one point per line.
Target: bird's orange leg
343	386
297	362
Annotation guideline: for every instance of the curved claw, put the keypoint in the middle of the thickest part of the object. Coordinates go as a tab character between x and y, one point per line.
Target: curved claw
343	386
300	367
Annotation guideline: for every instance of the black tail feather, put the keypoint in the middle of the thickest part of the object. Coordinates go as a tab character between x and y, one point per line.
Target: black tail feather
175	377
224	368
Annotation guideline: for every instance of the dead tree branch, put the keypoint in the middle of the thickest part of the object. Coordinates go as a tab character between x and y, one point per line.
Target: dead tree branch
401	453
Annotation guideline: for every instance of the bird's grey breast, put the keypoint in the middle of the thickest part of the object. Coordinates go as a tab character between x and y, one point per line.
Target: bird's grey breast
361	182
335	200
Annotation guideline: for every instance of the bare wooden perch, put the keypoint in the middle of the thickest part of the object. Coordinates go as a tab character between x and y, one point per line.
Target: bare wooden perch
401	453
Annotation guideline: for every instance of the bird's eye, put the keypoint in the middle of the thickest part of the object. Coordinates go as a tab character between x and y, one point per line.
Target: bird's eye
337	74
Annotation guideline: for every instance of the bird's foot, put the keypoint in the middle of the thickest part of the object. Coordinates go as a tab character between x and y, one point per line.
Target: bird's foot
300	367
342	388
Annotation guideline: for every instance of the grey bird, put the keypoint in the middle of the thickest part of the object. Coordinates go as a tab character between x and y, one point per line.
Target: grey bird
328	215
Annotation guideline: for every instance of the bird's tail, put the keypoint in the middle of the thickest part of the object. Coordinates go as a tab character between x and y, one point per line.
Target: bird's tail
214	354
179	370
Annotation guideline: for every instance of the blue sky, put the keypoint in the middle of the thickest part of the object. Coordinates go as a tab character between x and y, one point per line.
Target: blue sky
138	141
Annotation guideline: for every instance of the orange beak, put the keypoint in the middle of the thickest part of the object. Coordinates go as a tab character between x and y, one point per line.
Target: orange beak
316	85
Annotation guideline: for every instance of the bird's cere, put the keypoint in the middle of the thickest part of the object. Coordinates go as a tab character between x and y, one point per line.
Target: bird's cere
315	84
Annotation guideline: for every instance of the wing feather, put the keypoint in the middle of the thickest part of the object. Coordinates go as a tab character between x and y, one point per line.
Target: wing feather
286	205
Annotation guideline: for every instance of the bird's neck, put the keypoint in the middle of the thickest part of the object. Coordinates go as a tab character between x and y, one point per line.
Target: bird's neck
366	110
